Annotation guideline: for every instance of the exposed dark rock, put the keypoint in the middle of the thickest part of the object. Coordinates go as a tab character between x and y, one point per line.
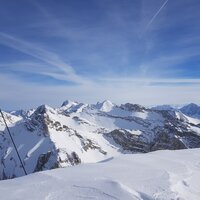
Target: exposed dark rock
166	141
43	160
128	141
133	107
74	159
88	144
167	137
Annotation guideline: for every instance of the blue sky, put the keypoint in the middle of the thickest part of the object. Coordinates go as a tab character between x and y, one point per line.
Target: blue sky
139	51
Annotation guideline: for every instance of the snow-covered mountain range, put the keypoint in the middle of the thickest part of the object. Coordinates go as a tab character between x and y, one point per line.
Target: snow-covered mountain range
76	133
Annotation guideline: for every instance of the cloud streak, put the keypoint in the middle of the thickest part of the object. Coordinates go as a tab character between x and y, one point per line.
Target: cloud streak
156	14
152	81
130	91
110	52
42	54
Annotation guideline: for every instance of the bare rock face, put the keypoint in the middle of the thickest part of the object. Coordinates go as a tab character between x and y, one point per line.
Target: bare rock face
175	133
46	161
128	142
39	120
133	107
164	141
74	158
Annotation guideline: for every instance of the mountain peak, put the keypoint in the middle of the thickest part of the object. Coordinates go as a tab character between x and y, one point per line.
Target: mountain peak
69	103
43	109
191	109
192	105
105	106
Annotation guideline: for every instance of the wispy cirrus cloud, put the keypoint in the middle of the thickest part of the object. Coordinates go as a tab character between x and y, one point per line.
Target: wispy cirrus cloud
152	81
38	52
146	92
102	48
34	72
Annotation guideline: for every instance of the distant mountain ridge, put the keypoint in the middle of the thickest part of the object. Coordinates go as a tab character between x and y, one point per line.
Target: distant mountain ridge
75	133
192	110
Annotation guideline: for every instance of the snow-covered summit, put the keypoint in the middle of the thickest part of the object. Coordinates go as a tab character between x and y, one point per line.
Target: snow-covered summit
105	106
71	107
69	103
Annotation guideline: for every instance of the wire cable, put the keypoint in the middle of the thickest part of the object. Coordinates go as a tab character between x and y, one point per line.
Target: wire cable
13	143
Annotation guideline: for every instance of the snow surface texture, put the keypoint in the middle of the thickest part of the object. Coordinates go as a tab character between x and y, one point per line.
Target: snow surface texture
161	175
76	133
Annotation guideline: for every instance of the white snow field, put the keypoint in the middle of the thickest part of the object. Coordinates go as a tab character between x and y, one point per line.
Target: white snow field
161	175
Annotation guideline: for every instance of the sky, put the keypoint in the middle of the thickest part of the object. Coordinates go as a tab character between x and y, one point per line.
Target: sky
137	51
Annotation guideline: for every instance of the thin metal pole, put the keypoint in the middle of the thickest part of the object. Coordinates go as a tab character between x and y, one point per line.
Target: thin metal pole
13	143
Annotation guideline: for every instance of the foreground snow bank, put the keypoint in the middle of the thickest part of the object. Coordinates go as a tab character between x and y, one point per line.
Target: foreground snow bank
157	175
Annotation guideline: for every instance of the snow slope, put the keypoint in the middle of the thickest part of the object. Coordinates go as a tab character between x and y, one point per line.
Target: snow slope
161	175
